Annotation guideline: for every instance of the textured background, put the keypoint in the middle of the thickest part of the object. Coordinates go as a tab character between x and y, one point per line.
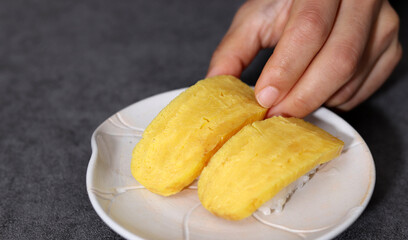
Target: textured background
66	66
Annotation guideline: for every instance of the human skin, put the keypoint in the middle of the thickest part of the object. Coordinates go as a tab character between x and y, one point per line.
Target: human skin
335	53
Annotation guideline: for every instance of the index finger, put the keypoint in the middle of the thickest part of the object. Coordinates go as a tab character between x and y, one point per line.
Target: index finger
308	27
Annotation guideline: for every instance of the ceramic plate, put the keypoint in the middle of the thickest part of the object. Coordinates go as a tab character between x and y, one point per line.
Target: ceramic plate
329	203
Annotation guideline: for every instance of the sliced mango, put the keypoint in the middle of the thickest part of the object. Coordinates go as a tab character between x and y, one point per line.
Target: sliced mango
259	161
178	143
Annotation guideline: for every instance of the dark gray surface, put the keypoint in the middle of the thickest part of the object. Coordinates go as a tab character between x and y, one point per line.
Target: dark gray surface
66	66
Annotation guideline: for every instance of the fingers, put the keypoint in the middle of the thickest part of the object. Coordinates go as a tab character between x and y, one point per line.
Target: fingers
257	24
239	46
384	33
309	25
336	62
237	49
381	71
327	51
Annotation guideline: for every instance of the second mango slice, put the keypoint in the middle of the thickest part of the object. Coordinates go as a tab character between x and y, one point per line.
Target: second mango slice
259	161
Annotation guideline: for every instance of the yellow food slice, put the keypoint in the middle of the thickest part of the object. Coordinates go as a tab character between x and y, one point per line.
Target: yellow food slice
179	142
259	161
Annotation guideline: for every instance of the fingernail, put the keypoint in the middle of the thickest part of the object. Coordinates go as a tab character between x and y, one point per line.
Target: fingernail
267	96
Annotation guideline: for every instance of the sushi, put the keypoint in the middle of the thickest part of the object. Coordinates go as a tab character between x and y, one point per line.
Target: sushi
261	160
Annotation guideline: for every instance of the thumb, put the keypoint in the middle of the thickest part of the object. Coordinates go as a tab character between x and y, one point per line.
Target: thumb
256	25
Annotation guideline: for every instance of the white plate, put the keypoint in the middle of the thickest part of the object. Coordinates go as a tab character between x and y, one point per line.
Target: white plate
332	200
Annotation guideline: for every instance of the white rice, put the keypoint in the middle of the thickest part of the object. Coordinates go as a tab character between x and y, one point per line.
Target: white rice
277	203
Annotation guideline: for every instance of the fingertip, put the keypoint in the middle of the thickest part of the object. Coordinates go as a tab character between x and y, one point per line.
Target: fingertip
267	96
280	110
219	70
225	64
212	73
275	113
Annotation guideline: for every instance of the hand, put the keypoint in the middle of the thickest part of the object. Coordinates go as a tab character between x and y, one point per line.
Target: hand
333	52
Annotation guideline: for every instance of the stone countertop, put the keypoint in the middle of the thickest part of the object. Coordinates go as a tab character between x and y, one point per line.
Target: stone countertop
66	66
